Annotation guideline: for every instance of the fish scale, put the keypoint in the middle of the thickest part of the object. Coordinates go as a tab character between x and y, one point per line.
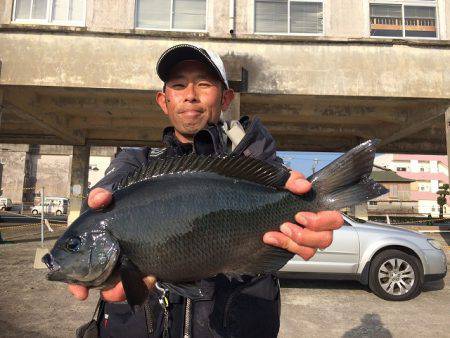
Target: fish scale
229	219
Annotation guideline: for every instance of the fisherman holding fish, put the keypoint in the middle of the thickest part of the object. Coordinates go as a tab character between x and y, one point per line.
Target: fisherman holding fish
195	93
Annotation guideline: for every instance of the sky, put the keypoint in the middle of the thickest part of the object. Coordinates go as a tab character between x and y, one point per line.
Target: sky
303	161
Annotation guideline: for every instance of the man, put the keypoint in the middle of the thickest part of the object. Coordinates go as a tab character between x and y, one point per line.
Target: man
195	93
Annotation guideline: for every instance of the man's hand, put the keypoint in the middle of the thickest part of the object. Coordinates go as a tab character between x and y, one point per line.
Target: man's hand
316	230
100	198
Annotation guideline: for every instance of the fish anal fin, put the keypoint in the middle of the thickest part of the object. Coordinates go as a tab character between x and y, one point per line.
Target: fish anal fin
135	289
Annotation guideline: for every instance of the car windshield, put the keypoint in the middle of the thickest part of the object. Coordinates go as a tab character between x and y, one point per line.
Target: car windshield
356	219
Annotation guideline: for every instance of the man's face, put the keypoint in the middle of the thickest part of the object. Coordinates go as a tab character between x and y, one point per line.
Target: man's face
192	98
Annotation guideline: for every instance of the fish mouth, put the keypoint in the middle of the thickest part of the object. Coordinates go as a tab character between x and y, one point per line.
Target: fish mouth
55	270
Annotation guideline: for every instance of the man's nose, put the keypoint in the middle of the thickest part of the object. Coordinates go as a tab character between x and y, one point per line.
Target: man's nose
191	93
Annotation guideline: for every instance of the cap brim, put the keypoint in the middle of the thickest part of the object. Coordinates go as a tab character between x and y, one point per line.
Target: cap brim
180	53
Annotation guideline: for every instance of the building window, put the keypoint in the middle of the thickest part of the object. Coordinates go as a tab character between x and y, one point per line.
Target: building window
187	15
413	18
393	190
373	202
50	11
401	169
289	17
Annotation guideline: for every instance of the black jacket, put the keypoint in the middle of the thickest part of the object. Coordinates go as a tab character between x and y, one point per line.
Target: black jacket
248	308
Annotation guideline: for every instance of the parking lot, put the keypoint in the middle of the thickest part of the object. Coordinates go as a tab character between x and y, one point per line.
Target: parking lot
32	306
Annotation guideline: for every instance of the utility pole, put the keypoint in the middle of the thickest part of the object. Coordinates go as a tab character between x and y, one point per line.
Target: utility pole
314	165
42	217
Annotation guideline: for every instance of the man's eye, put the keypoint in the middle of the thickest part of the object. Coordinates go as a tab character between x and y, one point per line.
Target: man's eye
204	84
177	86
73	244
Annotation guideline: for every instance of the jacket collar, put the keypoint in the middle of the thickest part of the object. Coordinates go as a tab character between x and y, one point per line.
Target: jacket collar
206	142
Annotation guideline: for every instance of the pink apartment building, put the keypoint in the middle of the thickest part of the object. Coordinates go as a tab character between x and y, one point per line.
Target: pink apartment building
428	172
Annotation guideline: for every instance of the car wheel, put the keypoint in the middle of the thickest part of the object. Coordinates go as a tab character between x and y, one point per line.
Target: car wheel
395	275
34	212
58	212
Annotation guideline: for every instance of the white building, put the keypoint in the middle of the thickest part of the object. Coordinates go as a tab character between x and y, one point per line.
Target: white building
428	171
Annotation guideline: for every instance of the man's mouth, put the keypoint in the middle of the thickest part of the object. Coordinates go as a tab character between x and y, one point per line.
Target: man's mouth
191	113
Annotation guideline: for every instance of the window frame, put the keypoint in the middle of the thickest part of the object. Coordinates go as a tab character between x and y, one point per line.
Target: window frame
171	21
289	21
49	14
403	3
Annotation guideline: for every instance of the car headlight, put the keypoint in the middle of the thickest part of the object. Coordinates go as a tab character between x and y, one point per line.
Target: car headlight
435	244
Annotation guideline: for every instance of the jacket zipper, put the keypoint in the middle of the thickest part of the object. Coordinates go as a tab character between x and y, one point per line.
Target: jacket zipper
187	318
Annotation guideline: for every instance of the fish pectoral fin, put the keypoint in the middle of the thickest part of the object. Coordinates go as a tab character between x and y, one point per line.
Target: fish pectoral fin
136	290
187	290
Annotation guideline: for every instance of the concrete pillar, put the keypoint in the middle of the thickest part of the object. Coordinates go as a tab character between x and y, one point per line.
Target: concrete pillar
360	211
447	133
234	111
78	180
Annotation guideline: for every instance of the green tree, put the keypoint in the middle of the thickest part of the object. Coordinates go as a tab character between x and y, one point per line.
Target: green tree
442	200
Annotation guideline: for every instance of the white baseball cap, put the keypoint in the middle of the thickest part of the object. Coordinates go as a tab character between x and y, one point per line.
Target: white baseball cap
178	53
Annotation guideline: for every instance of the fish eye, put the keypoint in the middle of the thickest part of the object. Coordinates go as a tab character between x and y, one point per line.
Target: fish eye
73	244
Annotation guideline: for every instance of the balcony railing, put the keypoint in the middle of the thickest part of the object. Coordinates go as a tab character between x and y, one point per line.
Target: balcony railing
393	207
411	24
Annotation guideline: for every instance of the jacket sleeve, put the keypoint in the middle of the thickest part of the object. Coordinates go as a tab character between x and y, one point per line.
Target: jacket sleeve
126	161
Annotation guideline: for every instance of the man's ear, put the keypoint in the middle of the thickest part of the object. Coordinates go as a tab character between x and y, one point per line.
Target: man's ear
161	101
227	97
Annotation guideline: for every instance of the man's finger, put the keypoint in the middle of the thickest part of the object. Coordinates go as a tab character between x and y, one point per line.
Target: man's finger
297	183
306	237
99	198
322	221
115	294
282	241
78	291
150	281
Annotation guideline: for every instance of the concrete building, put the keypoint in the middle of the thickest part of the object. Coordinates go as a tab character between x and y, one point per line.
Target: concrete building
28	168
428	173
322	75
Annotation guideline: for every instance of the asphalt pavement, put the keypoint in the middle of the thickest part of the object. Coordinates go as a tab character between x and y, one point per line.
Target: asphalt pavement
31	306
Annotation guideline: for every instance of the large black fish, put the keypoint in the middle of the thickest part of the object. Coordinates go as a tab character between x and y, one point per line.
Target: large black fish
188	218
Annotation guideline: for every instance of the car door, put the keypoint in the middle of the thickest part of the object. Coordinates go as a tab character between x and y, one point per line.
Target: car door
342	256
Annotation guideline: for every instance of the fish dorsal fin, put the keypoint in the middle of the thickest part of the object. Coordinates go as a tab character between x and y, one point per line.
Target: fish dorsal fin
239	167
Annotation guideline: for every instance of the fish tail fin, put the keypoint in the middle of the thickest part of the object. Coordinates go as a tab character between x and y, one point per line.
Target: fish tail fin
345	182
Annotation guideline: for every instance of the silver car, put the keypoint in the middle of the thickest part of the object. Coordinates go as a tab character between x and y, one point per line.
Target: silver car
394	262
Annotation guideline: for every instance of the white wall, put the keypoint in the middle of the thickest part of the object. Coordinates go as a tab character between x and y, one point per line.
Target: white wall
423	185
434	185
434	167
384	160
426	207
101	163
414	166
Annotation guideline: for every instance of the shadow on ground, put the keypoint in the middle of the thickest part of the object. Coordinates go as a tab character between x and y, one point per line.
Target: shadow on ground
434	286
371	326
322	284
